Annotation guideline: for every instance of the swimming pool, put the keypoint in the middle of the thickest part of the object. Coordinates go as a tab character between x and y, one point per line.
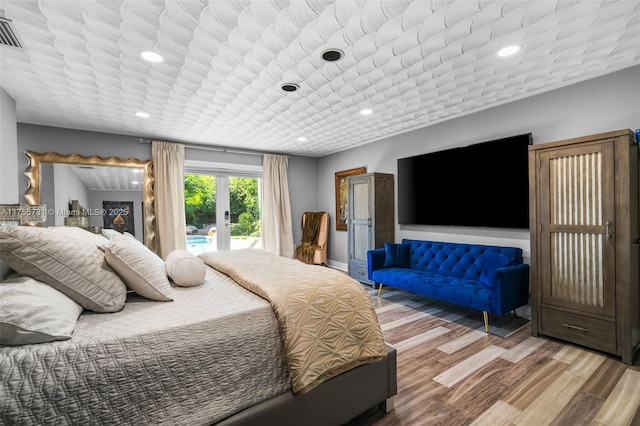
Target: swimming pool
204	243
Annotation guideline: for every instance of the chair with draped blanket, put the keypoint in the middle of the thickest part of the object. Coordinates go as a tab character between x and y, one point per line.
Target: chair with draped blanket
315	229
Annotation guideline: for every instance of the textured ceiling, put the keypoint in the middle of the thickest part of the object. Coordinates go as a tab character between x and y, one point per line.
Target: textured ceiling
414	63
102	178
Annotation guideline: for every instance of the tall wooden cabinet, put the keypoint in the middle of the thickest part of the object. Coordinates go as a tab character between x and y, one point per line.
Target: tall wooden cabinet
585	281
371	220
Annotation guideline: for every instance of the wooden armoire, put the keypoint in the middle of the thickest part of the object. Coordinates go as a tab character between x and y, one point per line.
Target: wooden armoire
371	218
584	224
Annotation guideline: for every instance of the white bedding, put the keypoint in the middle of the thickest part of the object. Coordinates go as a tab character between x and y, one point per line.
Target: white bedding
211	352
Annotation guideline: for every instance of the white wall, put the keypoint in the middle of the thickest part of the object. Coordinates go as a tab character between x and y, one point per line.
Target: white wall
8	150
607	103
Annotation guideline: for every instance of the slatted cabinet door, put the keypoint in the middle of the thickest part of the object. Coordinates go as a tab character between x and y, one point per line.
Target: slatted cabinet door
576	228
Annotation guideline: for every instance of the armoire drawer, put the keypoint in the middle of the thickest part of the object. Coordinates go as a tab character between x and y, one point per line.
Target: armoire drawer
359	272
592	332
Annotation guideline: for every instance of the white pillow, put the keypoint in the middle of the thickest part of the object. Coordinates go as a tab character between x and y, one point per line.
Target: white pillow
33	312
142	270
185	269
81	234
67	262
108	233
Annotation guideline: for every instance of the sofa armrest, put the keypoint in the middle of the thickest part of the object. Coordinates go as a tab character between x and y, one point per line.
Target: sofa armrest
509	288
375	260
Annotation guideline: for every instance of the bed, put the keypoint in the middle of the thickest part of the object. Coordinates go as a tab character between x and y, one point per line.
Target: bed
214	353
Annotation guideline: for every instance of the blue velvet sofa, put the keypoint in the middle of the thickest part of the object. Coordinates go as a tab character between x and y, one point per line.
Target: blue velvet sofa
492	279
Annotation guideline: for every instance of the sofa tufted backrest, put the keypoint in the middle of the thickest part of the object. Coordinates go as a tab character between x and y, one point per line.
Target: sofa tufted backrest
456	259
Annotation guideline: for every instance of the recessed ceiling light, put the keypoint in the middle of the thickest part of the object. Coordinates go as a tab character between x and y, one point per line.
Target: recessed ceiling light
366	111
302	139
289	87
509	50
135	182
150	56
142	114
332	55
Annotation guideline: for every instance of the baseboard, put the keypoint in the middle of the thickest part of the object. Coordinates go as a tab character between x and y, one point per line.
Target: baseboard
338	265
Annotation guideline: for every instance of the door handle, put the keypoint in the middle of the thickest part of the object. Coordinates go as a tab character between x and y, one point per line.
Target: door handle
607	230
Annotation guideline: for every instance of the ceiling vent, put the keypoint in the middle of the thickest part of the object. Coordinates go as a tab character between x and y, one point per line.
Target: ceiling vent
332	55
289	87
8	34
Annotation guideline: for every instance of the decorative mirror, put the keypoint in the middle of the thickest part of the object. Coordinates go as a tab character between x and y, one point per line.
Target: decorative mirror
35	174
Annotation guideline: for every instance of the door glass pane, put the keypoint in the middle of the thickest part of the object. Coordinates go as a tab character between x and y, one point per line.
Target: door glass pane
200	212
245	217
238	221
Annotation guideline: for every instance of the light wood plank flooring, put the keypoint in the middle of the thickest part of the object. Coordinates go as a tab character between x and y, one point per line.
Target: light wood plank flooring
450	373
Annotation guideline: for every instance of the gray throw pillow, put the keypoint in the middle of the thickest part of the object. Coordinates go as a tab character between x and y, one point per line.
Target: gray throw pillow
33	312
142	270
69	263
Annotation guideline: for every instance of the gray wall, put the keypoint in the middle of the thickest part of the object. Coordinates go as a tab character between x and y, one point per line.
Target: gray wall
67	187
43	139
97	197
303	171
610	102
607	103
8	150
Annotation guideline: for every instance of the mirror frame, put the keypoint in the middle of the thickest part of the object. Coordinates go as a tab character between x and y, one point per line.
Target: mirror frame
32	194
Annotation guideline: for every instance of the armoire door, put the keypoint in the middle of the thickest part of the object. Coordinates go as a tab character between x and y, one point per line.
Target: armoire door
577	228
360	220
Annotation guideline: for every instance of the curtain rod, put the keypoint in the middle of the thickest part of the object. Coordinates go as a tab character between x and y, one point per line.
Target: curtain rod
204	147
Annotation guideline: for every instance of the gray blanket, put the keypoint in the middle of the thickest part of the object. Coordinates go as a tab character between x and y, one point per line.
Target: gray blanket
211	352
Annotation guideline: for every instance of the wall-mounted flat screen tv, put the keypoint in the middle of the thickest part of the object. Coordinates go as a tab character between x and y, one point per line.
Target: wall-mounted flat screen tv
482	185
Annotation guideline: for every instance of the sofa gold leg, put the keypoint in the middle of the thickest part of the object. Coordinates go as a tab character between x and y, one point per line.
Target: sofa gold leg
379	289
486	321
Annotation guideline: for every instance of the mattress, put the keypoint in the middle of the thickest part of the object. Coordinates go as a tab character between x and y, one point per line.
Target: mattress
213	351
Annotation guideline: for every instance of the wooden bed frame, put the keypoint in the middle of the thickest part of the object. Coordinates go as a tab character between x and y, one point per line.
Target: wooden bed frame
334	402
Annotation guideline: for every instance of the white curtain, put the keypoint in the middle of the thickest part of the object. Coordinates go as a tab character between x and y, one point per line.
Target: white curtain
277	230
168	171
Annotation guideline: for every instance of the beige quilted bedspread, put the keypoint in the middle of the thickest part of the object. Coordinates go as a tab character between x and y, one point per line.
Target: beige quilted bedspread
326	318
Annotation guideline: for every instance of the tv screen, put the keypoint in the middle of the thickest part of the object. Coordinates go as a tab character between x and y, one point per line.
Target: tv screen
481	185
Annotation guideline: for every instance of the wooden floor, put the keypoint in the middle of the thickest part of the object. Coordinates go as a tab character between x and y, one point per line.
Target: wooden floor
454	374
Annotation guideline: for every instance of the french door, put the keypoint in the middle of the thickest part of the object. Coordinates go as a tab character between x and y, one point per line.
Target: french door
222	212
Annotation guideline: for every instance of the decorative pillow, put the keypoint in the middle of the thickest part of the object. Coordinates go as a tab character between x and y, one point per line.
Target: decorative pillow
142	270
81	234
33	312
71	265
396	255
491	262
185	269
108	233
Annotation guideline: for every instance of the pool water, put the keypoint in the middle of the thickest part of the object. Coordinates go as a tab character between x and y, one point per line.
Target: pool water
204	243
